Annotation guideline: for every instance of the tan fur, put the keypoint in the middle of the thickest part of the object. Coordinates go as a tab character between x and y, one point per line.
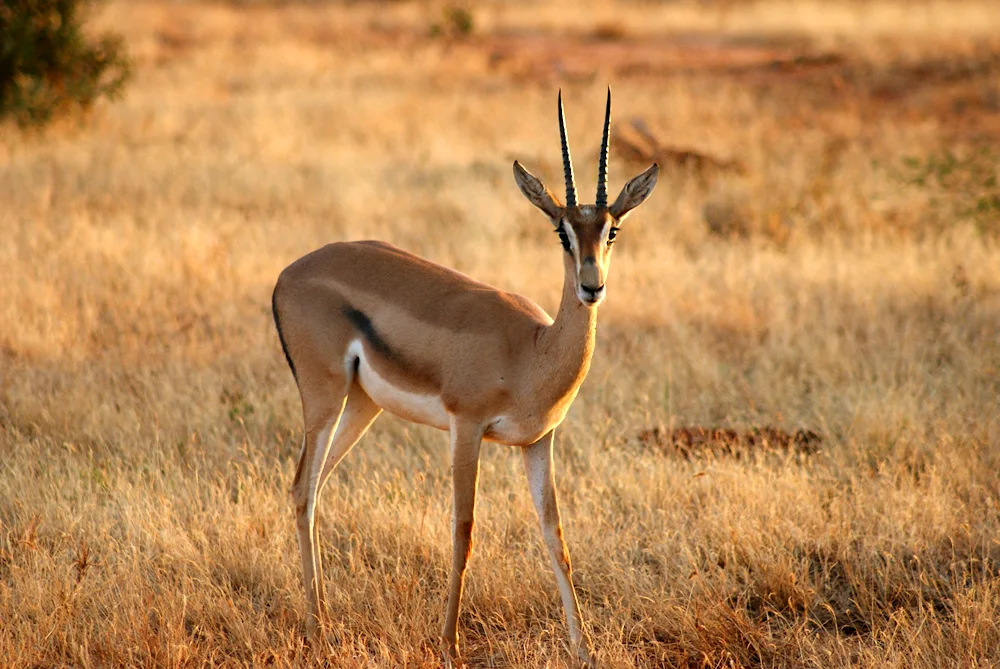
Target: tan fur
367	326
438	323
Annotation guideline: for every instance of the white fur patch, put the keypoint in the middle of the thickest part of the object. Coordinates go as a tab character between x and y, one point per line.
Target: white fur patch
425	409
606	230
574	244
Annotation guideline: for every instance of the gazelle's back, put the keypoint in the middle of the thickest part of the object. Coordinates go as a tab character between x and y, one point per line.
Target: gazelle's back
381	280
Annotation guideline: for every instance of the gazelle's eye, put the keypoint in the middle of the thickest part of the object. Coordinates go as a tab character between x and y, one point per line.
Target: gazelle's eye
611	235
564	238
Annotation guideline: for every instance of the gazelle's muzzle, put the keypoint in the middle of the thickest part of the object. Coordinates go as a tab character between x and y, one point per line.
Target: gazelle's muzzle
590	285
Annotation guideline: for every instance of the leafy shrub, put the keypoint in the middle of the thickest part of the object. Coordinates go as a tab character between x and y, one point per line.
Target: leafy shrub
49	66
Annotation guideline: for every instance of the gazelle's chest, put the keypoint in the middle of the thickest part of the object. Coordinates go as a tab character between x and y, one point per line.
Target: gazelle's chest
524	425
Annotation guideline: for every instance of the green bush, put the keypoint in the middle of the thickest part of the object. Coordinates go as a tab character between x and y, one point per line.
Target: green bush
49	65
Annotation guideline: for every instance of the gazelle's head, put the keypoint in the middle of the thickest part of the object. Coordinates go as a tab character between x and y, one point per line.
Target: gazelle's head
587	231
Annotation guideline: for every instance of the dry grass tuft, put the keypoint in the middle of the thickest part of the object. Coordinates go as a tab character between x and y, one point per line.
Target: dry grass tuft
149	425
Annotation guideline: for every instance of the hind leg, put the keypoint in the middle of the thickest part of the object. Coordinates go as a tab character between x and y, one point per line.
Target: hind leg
322	405
359	413
335	421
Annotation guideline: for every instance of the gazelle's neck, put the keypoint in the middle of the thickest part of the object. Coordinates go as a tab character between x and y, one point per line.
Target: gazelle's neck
567	346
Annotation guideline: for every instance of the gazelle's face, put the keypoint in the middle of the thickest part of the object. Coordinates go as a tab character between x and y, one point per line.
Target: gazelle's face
587	234
587	231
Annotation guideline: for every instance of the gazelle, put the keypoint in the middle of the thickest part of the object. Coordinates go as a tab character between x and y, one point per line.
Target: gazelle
366	326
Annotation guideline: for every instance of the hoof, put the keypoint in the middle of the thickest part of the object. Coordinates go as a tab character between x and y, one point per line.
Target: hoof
450	657
314	632
586	658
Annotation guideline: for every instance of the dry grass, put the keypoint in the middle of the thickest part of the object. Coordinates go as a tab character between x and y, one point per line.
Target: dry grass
148	424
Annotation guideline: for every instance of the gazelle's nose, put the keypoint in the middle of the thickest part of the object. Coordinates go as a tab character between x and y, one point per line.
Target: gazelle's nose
590	296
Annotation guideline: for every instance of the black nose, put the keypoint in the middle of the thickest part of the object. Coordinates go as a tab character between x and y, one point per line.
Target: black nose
592	291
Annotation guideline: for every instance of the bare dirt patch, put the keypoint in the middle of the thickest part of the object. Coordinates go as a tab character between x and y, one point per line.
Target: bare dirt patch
960	89
540	54
693	441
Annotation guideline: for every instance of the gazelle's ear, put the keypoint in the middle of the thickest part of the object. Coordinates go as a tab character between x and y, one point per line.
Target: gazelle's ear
635	192
536	192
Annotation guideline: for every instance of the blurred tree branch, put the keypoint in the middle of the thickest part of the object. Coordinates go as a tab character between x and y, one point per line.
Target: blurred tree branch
49	66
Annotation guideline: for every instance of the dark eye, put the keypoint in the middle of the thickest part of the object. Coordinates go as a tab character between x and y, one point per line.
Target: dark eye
611	235
564	238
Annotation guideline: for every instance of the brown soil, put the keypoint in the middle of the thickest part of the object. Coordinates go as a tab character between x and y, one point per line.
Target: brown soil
691	441
959	90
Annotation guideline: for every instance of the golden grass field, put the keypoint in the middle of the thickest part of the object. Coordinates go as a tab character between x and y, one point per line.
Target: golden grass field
842	276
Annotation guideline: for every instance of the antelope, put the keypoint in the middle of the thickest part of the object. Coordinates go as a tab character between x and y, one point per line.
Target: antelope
367	327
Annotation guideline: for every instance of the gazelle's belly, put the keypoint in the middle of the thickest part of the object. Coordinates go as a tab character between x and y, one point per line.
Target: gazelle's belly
425	409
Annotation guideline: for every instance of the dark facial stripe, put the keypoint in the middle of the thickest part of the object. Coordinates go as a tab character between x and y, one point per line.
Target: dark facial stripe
564	238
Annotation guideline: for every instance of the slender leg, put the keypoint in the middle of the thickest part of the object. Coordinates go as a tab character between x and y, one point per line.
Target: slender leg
465	442
320	422
358	415
541	479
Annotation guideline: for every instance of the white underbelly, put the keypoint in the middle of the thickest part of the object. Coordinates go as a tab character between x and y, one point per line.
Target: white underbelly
416	407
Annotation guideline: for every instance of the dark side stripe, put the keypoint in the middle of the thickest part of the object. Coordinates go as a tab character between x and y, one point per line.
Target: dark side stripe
364	325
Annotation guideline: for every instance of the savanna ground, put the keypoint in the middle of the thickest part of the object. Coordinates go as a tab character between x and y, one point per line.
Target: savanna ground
835	269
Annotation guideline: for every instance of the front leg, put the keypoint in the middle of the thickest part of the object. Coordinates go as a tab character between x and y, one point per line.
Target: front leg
541	479
466	439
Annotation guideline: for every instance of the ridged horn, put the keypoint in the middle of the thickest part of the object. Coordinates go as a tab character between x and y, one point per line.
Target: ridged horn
602	168
567	164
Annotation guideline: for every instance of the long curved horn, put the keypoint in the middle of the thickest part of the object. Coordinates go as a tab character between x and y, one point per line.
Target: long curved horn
602	168
567	164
